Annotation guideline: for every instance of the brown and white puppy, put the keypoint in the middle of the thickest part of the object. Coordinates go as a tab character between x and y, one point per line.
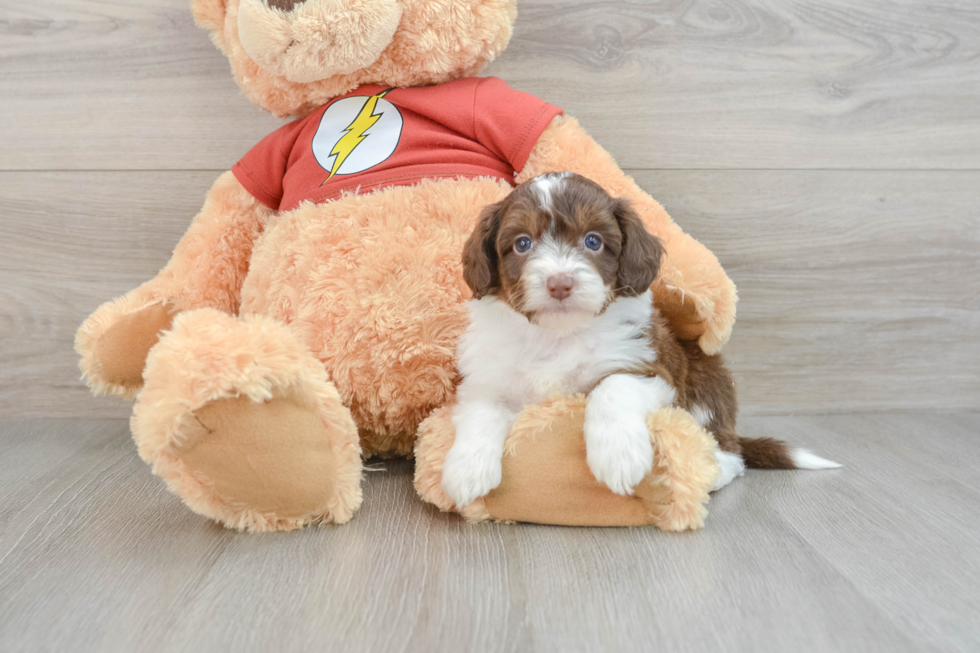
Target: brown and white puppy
561	274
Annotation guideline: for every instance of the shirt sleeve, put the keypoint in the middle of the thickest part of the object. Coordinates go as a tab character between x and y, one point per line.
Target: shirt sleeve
509	122
262	169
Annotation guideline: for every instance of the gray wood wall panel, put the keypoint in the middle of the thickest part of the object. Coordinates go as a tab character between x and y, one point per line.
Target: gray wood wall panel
828	152
731	84
859	290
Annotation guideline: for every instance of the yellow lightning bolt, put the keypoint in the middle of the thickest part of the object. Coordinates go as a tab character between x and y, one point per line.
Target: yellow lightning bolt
354	133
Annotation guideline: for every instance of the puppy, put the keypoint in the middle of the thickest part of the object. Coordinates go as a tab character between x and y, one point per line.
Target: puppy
561	273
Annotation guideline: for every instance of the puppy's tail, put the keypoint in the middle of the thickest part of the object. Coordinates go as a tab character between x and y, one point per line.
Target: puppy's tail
769	453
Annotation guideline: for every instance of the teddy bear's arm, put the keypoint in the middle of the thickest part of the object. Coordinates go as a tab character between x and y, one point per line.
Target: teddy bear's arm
207	269
693	291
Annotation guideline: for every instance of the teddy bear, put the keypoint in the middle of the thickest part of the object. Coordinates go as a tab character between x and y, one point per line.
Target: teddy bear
308	317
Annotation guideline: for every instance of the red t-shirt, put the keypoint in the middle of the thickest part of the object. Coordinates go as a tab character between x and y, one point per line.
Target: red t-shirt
374	137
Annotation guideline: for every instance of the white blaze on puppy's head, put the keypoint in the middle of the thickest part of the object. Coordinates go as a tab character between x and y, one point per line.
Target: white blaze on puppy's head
544	185
558	249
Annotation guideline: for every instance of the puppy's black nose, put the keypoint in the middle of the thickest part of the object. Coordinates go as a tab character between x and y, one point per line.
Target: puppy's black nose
560	286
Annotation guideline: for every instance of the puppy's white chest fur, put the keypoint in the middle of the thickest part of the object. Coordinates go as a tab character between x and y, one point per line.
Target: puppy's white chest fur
504	358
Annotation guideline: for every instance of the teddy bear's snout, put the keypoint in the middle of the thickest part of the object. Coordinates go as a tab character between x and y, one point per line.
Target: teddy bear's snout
285	5
308	40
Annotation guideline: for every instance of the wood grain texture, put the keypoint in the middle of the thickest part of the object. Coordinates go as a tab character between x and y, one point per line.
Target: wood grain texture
132	84
859	290
71	241
881	555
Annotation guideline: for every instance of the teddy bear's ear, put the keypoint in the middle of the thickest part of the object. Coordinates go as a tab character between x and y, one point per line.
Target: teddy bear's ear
209	14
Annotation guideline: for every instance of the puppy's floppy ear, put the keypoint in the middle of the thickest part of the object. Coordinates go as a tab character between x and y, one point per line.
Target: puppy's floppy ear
639	259
480	253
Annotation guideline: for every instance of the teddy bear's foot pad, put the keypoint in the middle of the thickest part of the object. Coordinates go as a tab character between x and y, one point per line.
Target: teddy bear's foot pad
114	341
243	424
272	457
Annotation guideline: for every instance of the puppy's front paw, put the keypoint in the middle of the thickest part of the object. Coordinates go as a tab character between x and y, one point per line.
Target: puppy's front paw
619	452
469	473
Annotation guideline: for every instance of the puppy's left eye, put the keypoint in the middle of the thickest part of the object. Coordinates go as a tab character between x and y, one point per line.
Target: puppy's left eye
522	244
593	242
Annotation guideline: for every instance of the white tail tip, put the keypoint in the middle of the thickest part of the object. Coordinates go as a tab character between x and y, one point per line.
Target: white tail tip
803	459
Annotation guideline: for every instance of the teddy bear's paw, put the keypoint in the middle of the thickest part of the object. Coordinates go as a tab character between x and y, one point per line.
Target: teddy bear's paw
695	295
243	424
114	341
680	309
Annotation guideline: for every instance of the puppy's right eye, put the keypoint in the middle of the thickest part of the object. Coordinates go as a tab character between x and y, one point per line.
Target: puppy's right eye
522	244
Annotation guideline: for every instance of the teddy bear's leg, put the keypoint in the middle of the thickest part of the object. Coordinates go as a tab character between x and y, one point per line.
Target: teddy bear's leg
242	422
546	477
207	269
693	292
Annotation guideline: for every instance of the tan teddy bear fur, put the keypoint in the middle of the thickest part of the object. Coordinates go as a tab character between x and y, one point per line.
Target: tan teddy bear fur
275	349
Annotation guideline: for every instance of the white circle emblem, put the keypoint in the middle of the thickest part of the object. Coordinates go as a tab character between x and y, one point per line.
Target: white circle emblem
357	133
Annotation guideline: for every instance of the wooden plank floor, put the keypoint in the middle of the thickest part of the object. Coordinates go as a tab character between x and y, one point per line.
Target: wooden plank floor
882	555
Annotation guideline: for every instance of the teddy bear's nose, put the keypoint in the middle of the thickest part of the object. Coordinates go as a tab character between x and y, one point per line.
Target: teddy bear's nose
308	40
285	5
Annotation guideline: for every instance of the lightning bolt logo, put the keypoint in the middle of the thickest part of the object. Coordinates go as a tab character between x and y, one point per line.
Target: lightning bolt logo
354	133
